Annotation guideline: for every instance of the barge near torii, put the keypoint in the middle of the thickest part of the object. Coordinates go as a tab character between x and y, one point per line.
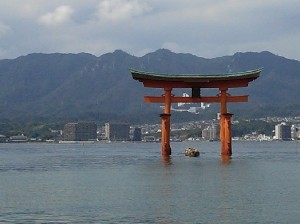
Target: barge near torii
195	82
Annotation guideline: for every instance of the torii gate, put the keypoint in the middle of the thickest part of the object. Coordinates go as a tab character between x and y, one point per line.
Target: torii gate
196	81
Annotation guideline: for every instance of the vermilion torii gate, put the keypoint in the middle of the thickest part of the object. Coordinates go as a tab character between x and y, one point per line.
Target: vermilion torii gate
195	82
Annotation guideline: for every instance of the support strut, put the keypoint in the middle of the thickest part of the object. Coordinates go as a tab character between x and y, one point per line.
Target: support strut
166	124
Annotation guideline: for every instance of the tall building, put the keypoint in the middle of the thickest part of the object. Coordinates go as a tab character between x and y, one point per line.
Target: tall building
69	132
210	133
294	132
81	131
137	134
283	132
117	131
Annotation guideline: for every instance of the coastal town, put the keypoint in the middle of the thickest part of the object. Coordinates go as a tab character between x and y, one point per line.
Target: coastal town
283	129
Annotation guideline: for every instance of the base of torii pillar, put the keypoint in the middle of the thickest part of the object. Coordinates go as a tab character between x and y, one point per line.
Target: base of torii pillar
225	135
165	135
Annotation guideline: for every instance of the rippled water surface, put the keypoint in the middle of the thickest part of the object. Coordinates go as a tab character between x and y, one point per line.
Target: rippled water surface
131	183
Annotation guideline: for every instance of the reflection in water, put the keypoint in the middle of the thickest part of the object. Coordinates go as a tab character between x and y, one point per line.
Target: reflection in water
225	159
165	190
166	160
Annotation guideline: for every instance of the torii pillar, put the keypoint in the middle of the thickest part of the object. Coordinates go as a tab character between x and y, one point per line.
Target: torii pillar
225	125
166	124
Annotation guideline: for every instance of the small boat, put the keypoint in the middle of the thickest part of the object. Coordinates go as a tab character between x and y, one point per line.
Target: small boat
191	152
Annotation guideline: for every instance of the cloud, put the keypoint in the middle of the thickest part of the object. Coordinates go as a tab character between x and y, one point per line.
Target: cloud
60	15
205	28
121	9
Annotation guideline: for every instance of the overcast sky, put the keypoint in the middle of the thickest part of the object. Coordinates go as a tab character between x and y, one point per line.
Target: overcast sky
206	28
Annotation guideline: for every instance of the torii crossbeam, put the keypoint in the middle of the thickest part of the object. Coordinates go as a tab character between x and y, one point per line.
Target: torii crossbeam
195	82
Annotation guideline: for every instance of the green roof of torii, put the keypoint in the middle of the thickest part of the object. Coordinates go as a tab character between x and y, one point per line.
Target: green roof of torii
142	75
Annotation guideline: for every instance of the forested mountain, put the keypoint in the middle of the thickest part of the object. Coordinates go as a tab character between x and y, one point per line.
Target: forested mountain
83	86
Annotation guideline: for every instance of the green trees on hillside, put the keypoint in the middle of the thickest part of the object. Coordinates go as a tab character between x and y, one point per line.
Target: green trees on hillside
247	127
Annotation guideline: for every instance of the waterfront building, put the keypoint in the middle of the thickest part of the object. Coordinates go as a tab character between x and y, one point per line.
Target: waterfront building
18	138
117	131
3	138
137	134
149	138
283	132
210	133
81	131
294	132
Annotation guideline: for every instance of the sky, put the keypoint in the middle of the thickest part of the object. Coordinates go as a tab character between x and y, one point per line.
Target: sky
206	28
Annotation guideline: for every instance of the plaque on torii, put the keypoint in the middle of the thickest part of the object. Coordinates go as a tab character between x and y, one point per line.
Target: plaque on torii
196	82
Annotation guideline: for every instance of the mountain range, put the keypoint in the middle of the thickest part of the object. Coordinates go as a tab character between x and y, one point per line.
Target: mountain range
83	86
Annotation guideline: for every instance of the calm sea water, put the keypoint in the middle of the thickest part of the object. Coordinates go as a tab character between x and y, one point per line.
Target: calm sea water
130	183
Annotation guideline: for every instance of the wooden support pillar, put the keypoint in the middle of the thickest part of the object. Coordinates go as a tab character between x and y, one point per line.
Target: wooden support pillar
226	144
225	125
166	124
165	133
223	100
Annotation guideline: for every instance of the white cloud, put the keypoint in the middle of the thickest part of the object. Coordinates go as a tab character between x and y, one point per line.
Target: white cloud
205	28
121	9
60	15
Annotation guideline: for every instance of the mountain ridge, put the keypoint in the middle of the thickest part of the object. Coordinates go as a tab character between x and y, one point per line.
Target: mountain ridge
81	86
